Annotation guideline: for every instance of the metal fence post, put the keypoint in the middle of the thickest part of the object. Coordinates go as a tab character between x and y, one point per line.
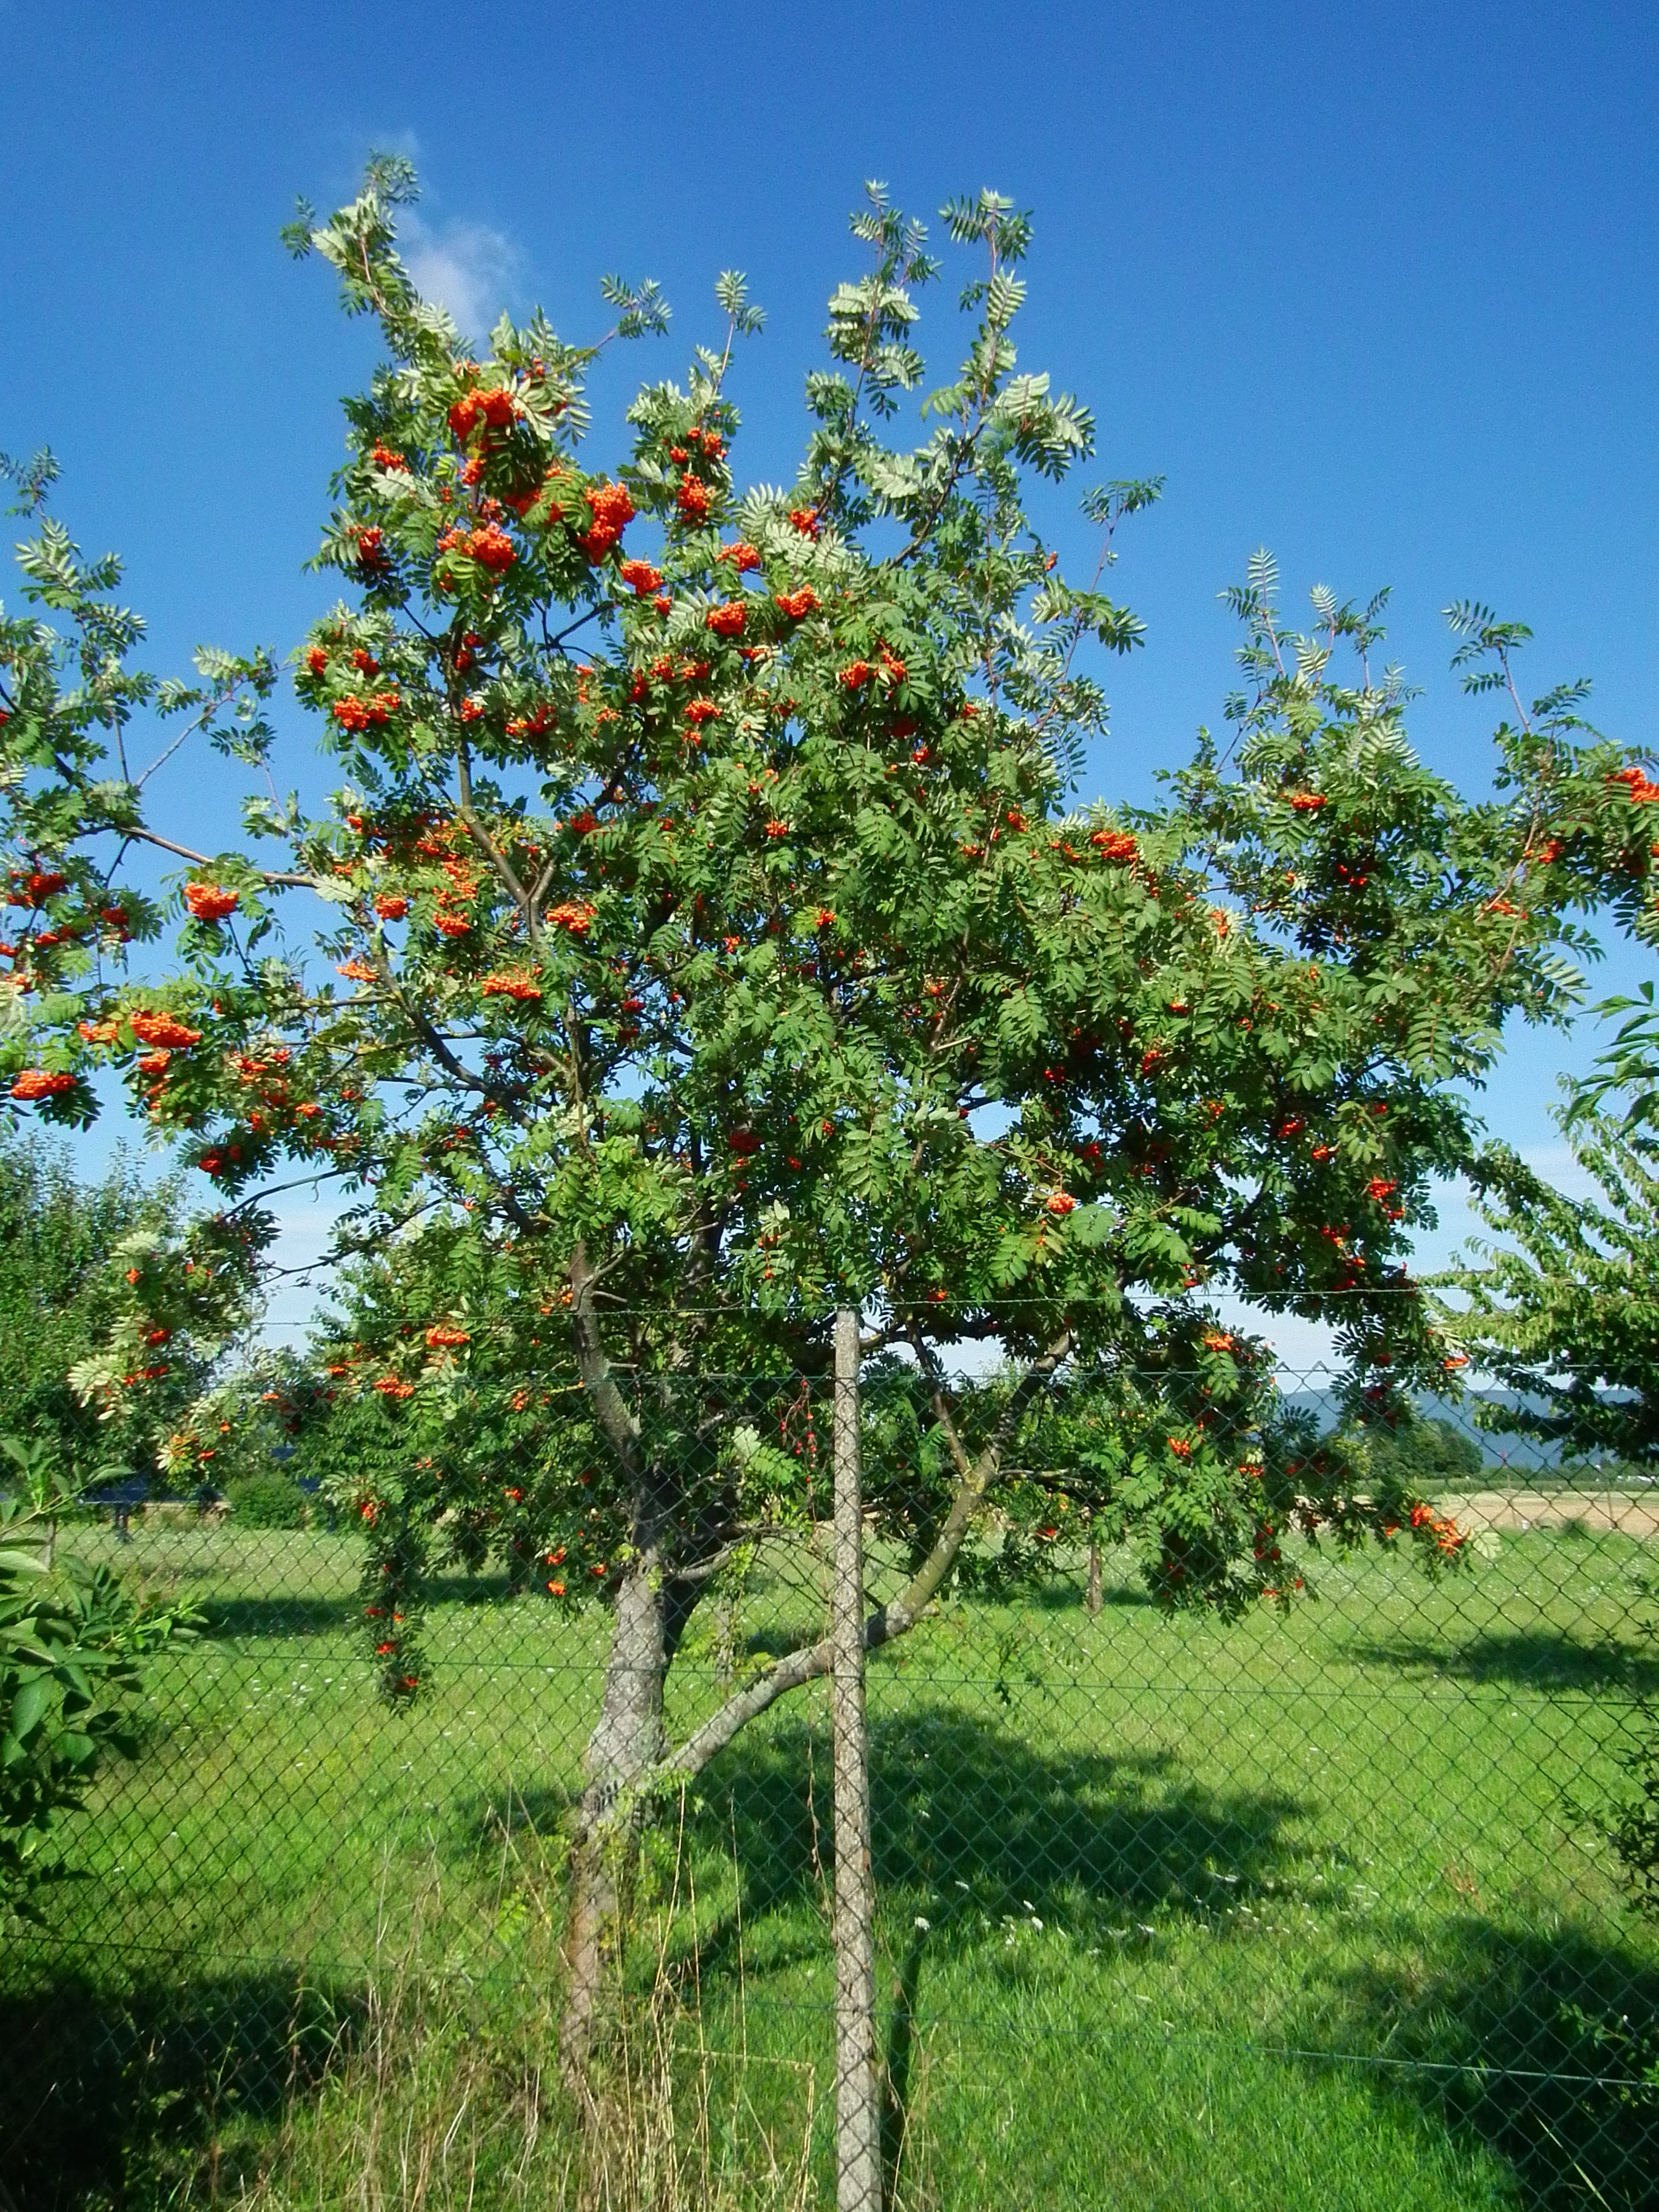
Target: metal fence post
858	2111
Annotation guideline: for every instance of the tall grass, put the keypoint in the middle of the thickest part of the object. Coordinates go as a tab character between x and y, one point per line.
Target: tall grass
442	2093
443	2105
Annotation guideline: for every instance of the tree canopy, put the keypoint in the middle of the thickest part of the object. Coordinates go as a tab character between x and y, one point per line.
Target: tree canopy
63	1246
706	931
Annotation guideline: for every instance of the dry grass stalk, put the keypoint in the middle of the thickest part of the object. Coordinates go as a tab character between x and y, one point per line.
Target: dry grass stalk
445	2098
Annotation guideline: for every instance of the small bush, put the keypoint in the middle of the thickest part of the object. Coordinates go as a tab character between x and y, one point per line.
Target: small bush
70	1641
267	1501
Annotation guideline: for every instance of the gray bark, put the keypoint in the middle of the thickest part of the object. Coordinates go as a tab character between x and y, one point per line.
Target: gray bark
625	1747
858	2110
628	1760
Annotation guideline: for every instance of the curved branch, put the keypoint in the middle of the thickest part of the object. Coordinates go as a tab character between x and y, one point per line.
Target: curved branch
611	1409
890	1621
276	878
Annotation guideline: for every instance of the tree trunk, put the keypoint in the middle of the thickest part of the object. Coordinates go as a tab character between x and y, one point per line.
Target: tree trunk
1091	1594
858	2111
628	1752
625	1746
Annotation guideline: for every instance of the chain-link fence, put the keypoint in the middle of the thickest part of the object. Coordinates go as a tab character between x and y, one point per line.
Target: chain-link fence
1319	1905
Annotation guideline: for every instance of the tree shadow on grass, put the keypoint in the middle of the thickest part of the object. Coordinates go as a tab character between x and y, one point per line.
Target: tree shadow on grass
504	1834
1544	2045
777	1640
261	1619
246	1619
145	2095
970	1825
1529	1658
1067	1596
969	1822
973	1828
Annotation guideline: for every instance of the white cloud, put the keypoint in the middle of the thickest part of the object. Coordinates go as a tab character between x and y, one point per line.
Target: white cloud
465	267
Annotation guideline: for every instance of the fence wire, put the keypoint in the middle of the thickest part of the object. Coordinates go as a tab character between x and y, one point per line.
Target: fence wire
1279	1907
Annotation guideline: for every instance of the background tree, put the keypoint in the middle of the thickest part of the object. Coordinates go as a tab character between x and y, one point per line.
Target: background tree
749	954
1429	1453
1564	1309
62	1288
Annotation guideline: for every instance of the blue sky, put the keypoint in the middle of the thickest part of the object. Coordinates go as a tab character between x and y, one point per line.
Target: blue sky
1376	287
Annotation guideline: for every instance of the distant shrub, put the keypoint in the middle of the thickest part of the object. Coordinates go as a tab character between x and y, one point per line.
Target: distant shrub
267	1501
1429	1454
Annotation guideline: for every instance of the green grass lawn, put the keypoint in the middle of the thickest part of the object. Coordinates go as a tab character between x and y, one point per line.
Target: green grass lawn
1311	1913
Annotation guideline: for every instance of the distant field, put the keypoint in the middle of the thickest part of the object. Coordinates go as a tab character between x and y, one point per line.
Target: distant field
1175	1913
1632	1513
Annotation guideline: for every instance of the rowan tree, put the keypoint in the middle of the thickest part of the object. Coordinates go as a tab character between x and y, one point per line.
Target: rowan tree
709	934
64	1247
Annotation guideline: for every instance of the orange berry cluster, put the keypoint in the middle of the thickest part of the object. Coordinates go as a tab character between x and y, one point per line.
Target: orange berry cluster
613	510
510	987
164	1030
496	407
354	713
42	1082
209	901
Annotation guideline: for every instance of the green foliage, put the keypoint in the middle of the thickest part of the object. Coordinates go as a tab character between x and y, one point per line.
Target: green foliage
71	1642
1629	1065
1190	1456
33	478
759	957
267	1501
62	1254
246	1424
1425	1455
1565	1308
